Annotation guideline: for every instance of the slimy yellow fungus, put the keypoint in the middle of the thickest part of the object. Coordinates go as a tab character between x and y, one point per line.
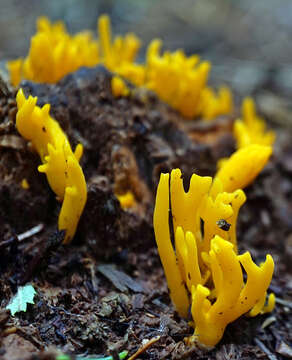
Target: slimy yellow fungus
178	80
15	71
243	166
251	129
203	269
60	164
126	200
119	88
24	184
114	54
178	293
261	308
53	54
214	105
74	198
234	297
181	82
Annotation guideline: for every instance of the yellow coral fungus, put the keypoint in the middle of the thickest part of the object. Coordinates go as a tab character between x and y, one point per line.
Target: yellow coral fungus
176	286
243	166
205	264
119	88
251	129
233	297
214	105
179	80
122	50
54	53
15	71
60	164
24	184
126	200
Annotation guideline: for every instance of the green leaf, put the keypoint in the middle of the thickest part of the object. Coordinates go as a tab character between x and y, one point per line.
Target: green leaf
24	296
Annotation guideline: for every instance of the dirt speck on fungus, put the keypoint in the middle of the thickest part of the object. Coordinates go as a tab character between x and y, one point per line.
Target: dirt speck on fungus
106	291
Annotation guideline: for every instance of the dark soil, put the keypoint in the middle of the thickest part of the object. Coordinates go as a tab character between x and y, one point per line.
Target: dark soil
106	291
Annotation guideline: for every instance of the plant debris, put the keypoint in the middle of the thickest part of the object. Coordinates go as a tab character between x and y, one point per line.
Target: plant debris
119	279
25	295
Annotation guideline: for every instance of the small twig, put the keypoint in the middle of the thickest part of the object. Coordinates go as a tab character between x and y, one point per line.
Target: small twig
27	234
284	302
8	242
18	238
263	347
144	347
268	322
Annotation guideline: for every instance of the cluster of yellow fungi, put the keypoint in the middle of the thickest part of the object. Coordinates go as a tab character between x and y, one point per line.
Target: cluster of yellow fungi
178	80
251	129
53	54
60	164
203	269
254	143
243	166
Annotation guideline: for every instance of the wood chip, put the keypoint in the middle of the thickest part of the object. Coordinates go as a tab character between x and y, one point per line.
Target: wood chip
284	350
12	141
138	301
119	279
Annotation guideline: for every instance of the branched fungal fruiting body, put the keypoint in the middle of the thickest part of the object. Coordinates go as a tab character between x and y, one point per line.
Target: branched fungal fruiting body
60	164
204	265
177	79
53	54
243	166
233	297
251	129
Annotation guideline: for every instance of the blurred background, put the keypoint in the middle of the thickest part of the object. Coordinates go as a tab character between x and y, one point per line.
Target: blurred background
248	42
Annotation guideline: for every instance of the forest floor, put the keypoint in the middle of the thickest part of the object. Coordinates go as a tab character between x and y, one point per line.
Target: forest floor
106	291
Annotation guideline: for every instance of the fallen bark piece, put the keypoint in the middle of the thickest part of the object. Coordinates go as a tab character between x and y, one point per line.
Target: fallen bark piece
284	350
119	279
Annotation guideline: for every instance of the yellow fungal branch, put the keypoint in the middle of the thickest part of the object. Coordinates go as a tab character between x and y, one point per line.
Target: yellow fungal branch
234	297
202	268
53	54
24	184
15	71
119	88
254	145
60	164
214	105
117	55
179	80
126	200
178	293
243	166
251	129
